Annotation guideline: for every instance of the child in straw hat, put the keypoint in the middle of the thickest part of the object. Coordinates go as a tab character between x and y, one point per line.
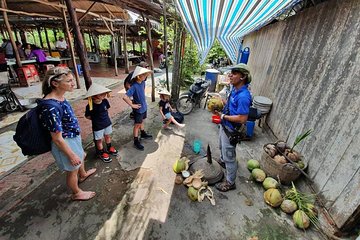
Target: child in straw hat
166	109
138	104
97	112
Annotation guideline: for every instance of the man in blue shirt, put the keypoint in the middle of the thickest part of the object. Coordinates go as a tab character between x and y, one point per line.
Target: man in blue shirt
138	104
234	114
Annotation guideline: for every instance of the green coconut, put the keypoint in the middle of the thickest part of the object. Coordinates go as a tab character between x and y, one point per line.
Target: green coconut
179	165
258	174
301	220
252	164
269	182
193	193
215	104
288	206
273	197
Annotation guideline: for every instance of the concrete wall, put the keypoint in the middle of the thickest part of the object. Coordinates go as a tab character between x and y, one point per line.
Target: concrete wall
309	65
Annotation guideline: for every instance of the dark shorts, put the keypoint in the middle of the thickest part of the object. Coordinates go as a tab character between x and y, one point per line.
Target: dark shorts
139	117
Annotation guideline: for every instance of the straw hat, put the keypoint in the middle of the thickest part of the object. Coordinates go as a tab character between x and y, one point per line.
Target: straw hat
96	89
244	69
140	70
164	92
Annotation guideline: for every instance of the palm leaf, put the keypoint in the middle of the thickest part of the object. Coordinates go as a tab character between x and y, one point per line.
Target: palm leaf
300	137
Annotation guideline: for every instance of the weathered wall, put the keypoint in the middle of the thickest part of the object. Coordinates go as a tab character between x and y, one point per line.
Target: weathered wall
309	65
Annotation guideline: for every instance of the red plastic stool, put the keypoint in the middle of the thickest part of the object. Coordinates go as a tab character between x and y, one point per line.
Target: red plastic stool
34	72
62	65
25	76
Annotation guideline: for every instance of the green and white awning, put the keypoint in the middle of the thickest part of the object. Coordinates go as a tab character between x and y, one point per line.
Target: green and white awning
227	20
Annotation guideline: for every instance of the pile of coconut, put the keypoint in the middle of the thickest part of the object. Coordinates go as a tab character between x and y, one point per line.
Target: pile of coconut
292	202
280	149
198	189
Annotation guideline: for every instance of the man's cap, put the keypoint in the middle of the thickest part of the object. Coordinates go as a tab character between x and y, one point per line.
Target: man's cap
244	69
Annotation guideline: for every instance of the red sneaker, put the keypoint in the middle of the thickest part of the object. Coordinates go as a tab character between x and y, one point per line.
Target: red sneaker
113	151
105	157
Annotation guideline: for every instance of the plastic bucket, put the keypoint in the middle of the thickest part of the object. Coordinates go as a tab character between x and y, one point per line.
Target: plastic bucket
250	125
212	75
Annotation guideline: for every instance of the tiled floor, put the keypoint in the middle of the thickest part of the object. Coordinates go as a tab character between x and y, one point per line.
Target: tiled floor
11	154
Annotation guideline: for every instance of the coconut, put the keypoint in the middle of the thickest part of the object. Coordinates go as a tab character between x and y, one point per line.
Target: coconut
281	145
280	159
197	183
288	206
178	179
293	156
273	197
269	182
258	174
252	164
215	104
300	164
193	194
270	149
301	220
179	165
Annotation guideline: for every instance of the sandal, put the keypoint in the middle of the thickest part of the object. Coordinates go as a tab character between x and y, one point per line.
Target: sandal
88	174
225	186
83	196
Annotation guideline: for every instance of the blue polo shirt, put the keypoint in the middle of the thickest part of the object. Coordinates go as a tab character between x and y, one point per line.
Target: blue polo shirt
137	91
238	103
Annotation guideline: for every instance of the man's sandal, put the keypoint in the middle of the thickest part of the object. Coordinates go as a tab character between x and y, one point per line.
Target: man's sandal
225	186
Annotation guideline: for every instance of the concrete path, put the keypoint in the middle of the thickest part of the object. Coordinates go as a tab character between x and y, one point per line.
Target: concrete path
137	198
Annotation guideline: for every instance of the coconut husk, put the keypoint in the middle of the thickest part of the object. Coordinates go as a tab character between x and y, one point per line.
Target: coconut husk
280	159
196	183
179	179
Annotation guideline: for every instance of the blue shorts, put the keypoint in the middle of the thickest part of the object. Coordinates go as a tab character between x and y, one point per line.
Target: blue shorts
62	160
168	115
98	135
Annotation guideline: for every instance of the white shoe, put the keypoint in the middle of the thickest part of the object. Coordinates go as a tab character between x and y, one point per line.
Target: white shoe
181	125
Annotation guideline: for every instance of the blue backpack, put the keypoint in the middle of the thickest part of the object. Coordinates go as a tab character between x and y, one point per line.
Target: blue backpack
31	136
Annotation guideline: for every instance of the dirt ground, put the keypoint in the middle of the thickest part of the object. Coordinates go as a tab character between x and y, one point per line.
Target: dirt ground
137	198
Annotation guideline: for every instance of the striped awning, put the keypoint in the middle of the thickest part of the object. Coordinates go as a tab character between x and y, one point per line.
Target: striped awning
227	20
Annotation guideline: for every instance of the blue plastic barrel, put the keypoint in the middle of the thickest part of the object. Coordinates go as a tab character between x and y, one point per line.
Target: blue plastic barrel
245	55
250	125
212	75
79	68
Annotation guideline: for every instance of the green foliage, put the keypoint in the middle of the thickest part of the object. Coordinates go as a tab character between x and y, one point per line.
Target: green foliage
216	51
299	138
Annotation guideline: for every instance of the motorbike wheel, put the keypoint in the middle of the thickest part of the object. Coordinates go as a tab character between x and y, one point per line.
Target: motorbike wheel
11	107
184	105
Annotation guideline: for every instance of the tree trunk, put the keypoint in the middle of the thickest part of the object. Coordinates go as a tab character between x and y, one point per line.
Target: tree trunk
150	52
175	86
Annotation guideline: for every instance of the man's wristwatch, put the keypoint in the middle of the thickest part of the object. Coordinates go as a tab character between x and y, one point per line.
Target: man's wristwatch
222	116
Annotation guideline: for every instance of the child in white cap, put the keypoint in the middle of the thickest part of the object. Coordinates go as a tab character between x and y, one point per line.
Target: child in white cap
166	109
97	112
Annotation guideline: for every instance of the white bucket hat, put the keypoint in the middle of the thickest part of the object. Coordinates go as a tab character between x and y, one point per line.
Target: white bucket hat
164	92
140	70
96	89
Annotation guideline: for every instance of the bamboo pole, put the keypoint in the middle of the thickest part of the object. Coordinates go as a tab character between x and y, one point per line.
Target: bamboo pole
16	35
23	37
126	60
149	44
40	38
55	32
165	49
27	14
71	47
47	40
113	35
81	51
12	40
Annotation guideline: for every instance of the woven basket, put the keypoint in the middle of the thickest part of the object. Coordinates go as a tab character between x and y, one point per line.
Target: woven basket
287	173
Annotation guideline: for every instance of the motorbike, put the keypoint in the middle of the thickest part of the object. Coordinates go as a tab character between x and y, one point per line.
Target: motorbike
188	100
8	100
